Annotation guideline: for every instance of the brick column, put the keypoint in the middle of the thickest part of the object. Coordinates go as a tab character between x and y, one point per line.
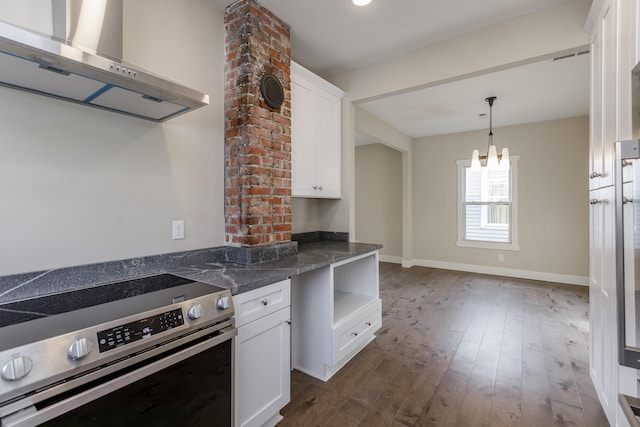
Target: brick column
257	137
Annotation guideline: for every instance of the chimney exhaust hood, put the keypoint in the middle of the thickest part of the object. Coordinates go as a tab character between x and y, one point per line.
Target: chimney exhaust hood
67	65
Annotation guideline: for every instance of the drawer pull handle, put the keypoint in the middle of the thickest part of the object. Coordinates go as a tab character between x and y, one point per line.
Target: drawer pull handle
368	323
264	302
355	334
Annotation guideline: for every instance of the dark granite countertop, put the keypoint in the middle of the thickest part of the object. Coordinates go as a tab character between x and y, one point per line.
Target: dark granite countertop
242	278
205	265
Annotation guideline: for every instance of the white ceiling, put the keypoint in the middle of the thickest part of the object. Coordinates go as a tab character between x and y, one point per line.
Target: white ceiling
536	92
331	36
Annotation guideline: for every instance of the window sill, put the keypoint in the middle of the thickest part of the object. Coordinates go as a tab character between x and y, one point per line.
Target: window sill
488	245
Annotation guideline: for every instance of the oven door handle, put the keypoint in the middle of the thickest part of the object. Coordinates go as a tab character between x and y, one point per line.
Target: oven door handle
32	417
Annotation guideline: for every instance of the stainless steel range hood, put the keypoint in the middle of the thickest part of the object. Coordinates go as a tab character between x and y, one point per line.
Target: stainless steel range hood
72	64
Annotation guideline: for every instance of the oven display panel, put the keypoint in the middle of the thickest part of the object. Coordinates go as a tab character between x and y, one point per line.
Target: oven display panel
138	330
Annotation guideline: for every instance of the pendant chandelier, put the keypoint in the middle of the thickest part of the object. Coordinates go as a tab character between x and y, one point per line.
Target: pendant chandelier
493	160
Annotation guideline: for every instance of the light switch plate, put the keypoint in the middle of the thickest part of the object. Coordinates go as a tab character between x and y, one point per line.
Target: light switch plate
178	229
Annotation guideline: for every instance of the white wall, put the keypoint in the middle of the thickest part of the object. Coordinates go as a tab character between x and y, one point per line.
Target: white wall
381	132
80	185
378	199
305	214
35	15
530	38
553	201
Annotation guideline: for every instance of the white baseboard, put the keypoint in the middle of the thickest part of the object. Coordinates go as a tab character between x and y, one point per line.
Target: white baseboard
499	271
390	258
407	263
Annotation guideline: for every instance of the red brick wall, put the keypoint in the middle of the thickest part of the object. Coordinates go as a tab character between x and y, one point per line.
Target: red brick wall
257	137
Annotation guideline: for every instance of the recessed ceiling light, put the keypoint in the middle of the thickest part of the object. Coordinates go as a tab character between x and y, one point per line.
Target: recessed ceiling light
361	2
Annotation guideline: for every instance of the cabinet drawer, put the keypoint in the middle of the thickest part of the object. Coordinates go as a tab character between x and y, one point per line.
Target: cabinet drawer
356	331
260	302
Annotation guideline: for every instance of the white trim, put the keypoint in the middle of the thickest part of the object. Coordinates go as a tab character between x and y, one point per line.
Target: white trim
390	258
487	245
407	263
316	80
499	271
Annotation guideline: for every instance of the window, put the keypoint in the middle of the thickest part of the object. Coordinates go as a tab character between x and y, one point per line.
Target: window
487	207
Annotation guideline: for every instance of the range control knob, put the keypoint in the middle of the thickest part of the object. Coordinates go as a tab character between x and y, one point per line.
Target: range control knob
17	368
195	312
222	303
79	349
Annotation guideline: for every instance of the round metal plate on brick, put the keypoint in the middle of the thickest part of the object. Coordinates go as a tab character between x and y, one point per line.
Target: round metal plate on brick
271	90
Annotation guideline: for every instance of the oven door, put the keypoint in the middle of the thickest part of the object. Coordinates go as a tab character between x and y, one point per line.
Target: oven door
628	251
190	384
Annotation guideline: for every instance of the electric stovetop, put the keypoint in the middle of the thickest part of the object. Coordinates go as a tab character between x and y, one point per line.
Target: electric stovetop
34	319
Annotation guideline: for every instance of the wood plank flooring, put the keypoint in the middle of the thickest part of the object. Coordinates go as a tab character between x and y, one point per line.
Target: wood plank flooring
461	349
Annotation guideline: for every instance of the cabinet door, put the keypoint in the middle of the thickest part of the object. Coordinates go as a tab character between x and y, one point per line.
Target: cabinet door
604	100
262	368
602	295
609	71
316	134
328	150
303	137
595	118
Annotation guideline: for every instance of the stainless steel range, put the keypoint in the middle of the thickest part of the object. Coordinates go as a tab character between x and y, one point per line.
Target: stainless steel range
154	350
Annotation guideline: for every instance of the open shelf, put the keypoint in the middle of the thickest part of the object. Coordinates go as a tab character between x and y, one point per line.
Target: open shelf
347	303
355	285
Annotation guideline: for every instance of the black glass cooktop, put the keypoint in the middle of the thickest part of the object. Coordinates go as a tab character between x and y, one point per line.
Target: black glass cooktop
15	312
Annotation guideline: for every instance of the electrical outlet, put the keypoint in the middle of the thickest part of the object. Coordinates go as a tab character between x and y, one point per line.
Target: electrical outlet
501	258
178	229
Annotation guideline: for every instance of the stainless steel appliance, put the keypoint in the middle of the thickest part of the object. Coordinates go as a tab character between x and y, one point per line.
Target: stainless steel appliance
627	242
148	351
627	179
627	217
82	62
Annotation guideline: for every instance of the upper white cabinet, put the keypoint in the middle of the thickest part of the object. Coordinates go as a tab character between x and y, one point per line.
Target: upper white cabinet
603	97
315	135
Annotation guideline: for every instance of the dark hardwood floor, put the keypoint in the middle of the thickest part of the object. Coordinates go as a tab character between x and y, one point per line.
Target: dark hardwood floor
461	349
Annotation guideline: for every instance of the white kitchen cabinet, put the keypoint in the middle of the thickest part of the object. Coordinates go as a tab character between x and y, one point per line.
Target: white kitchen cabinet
613	27
603	97
602	294
315	135
336	311
262	369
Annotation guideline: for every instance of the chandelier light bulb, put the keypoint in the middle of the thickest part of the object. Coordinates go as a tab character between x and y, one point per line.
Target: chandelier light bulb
505	163
492	158
475	161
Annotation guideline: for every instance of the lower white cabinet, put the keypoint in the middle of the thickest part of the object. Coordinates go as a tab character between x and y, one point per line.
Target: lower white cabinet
336	311
262	354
